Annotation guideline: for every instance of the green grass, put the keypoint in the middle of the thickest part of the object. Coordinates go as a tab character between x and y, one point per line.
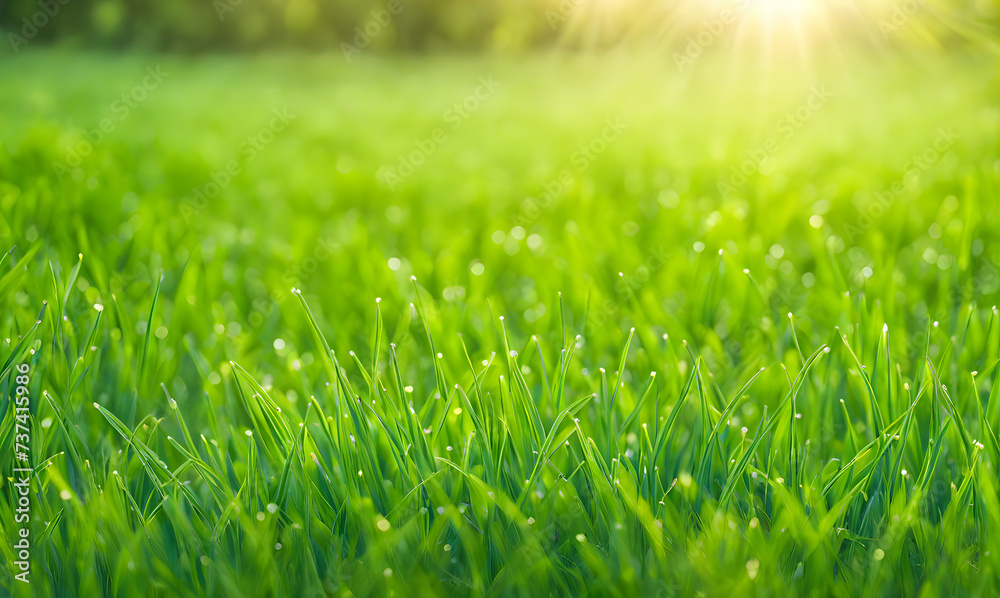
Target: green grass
654	388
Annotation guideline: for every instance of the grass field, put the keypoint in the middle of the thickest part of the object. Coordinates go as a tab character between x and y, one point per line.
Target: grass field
291	326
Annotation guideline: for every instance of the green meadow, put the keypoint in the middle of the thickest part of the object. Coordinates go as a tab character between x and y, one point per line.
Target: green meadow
283	324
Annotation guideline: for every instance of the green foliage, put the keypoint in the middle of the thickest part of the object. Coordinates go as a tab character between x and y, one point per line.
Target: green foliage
613	381
349	26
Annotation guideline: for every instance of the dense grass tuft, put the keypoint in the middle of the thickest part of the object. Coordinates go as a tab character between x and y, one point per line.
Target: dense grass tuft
318	383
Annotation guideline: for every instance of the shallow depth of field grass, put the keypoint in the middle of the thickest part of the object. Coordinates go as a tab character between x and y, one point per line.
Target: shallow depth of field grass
525	368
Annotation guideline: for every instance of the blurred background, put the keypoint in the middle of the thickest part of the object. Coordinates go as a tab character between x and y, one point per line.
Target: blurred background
494	25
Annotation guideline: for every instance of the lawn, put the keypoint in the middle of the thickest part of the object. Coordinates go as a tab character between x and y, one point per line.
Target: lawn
289	325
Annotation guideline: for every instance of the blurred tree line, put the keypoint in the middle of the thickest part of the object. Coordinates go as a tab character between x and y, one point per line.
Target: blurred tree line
195	25
414	25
